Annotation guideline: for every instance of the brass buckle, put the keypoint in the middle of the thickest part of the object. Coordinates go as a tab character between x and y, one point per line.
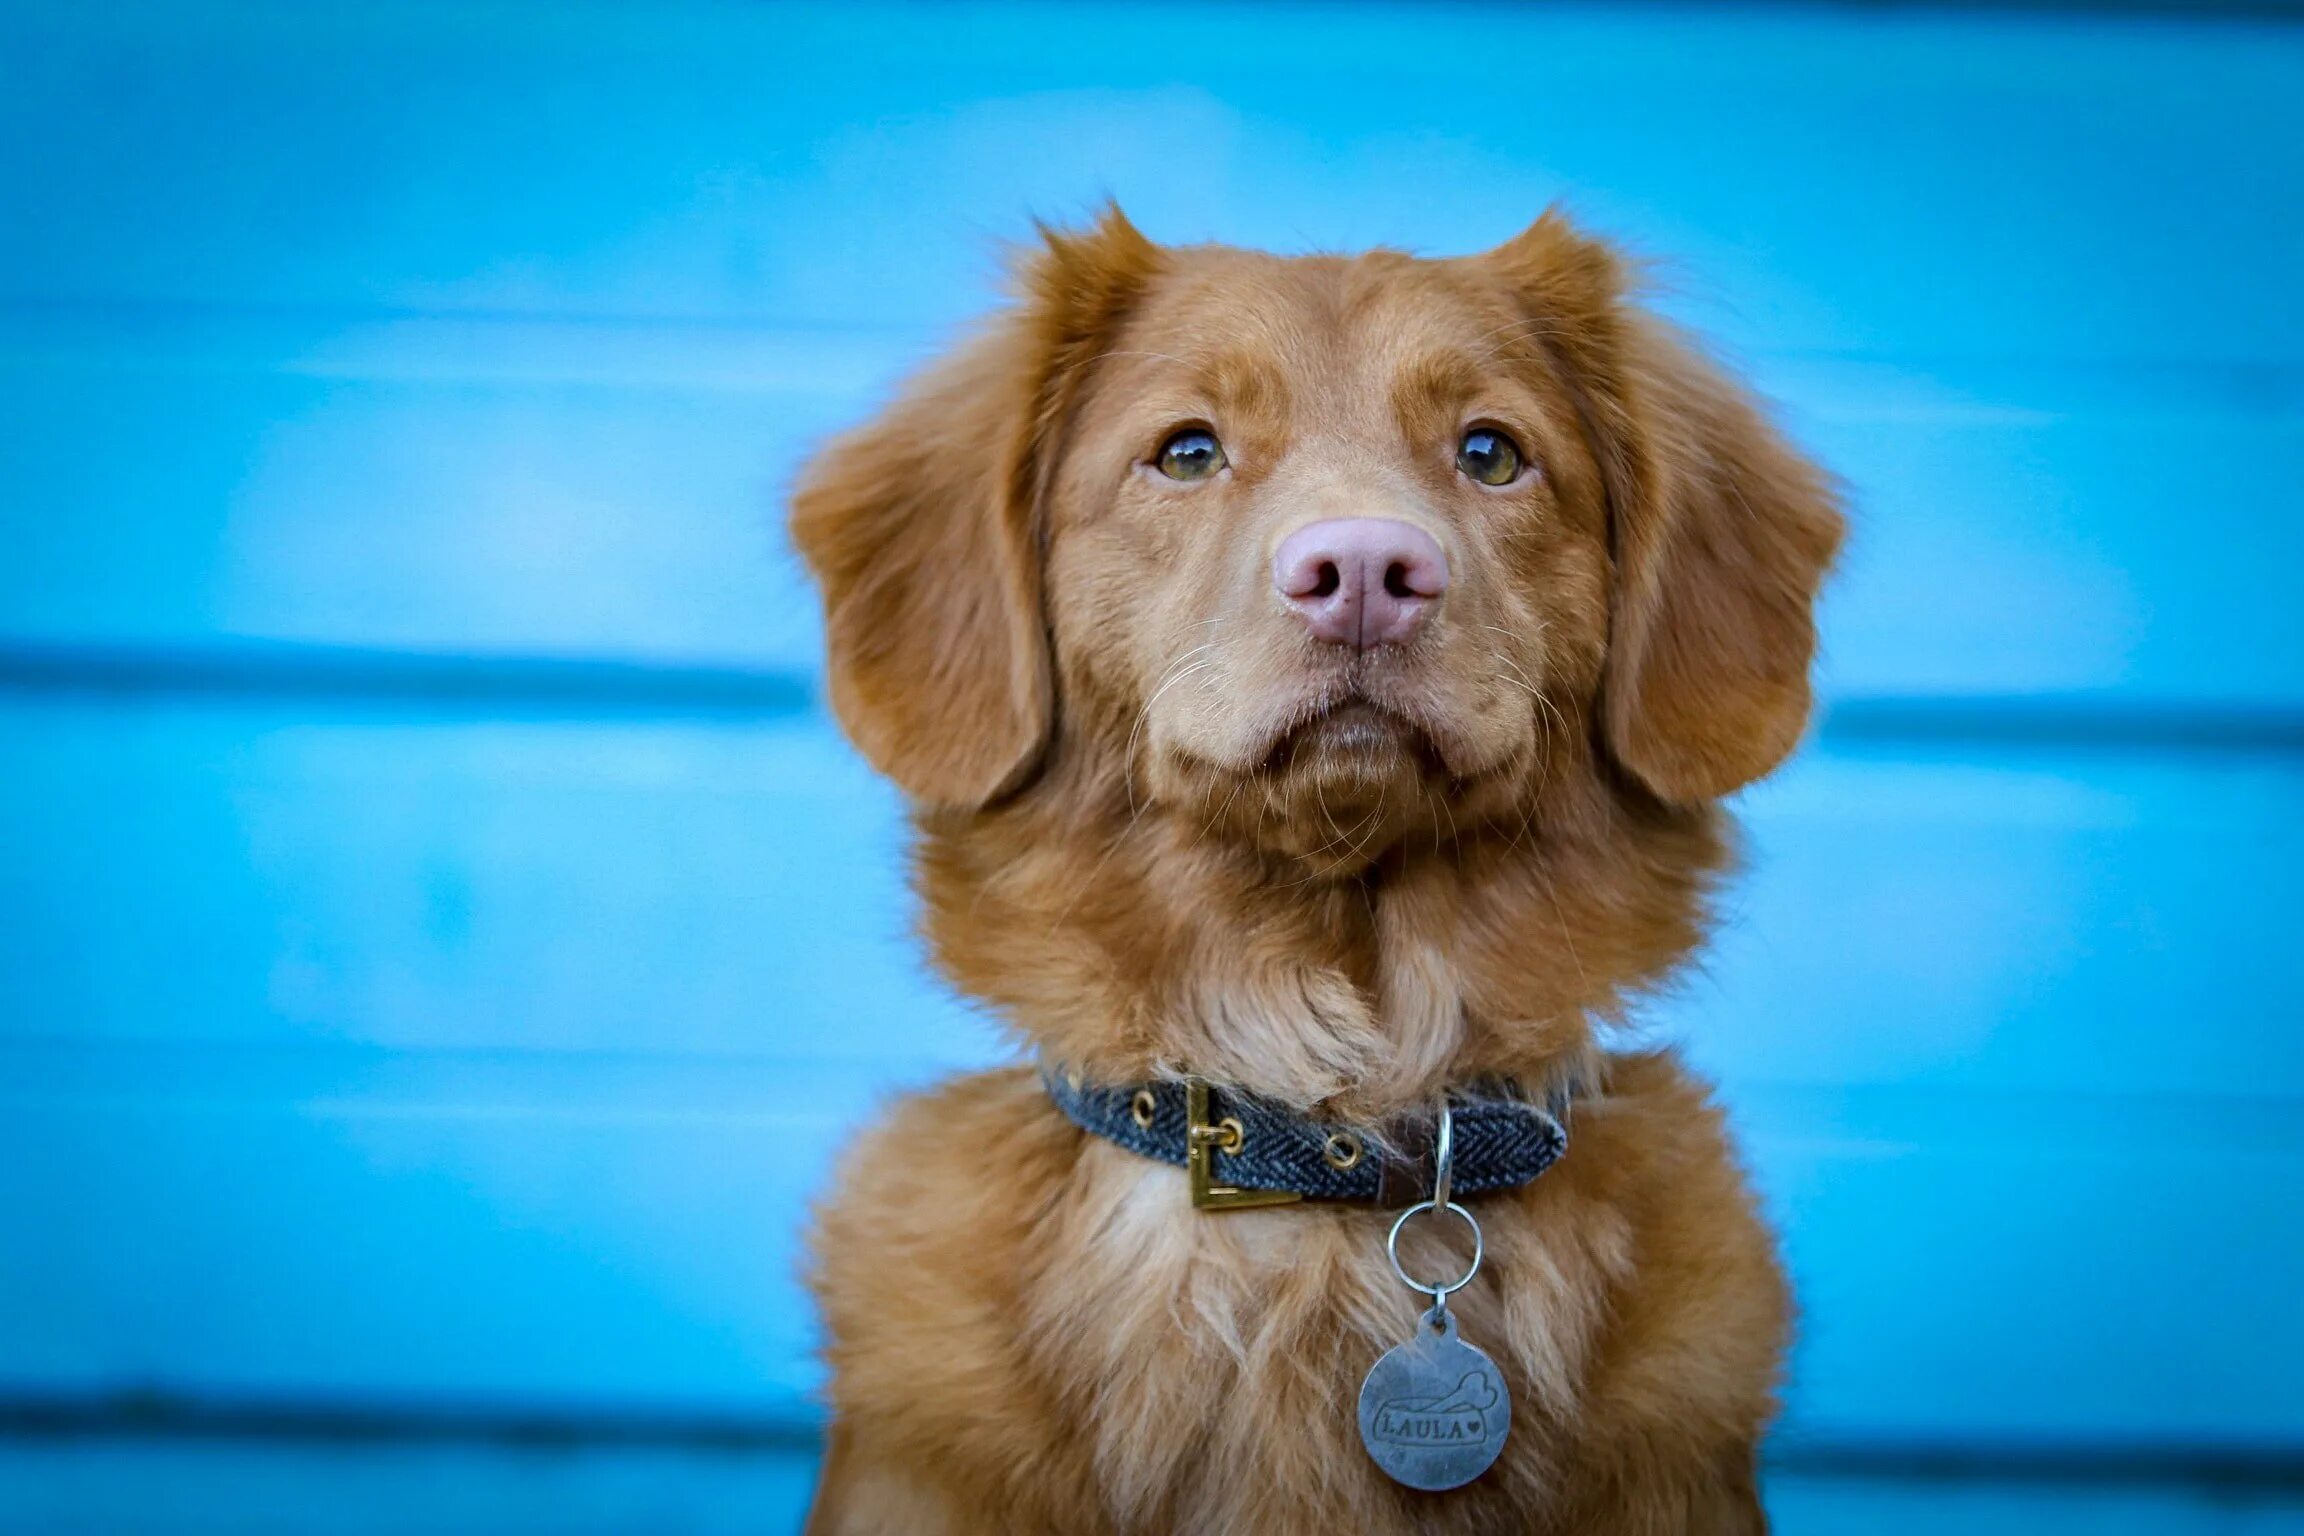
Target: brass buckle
1202	1141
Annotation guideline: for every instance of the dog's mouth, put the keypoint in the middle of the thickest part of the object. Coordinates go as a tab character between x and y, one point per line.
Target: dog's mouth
1346	770
1353	736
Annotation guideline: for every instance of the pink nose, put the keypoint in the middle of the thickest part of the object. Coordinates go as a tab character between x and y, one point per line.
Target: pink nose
1361	581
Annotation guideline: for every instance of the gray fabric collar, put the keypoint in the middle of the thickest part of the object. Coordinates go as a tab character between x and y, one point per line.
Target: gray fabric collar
1502	1141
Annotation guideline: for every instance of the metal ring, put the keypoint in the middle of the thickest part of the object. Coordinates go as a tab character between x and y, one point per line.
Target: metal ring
1235	1135
1436	1292
1444	1160
1141	1107
1342	1151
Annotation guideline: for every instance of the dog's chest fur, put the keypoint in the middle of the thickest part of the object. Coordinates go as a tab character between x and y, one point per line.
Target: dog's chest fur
1226	1351
1085	1352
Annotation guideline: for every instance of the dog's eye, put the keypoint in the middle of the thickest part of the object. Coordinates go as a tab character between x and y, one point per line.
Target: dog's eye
1488	456
1192	454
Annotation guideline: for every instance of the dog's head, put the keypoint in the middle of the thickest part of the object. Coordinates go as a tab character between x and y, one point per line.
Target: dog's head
1322	552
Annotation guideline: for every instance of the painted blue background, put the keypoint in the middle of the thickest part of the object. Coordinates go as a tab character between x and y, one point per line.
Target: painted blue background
441	939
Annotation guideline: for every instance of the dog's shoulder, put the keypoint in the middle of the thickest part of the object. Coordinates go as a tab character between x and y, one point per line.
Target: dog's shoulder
1697	1309
922	1248
943	1184
1656	1145
945	1129
1651	1116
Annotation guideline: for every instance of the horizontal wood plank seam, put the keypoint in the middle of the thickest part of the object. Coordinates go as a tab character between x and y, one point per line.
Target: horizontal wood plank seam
2269	1466
576	686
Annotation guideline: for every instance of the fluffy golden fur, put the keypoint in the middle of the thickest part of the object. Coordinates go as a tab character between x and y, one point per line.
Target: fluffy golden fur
1162	831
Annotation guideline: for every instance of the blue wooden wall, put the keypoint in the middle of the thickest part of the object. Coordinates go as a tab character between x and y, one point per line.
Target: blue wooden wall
442	941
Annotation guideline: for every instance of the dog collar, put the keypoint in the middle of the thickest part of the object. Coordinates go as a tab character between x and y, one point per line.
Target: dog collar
1242	1149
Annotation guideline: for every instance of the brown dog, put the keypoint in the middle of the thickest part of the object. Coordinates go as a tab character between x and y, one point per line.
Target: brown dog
1314	676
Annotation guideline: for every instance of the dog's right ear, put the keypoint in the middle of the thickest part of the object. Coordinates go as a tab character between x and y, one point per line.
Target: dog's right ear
924	531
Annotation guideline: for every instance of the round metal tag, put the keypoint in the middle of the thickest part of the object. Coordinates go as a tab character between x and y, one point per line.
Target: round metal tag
1433	1411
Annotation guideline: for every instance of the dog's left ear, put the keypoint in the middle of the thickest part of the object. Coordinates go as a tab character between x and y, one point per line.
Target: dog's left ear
1721	532
923	530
